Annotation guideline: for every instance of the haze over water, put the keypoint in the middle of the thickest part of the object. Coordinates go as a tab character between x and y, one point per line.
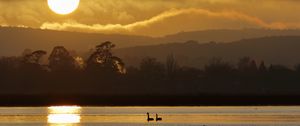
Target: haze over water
92	116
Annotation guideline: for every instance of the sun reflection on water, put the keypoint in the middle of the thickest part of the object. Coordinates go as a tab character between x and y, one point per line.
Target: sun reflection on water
62	115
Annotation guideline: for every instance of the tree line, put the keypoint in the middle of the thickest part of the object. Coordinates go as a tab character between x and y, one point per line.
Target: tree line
103	73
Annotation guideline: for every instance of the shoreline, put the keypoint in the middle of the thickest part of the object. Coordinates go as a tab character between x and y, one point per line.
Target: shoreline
97	100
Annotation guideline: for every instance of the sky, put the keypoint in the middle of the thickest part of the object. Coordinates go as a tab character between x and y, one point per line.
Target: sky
154	17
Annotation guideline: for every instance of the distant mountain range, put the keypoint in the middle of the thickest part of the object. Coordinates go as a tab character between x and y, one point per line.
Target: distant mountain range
14	40
284	50
227	35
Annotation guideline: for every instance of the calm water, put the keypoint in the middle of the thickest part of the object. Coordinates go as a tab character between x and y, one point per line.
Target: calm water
172	116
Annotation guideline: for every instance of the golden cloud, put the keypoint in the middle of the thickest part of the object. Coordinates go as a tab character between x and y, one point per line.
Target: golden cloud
133	28
154	17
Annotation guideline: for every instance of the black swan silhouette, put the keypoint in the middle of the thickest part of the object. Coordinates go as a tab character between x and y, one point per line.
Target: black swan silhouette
148	117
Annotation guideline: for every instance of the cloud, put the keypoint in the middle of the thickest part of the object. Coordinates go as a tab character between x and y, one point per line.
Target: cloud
154	17
198	14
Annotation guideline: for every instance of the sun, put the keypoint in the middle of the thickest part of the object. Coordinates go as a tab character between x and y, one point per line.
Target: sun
63	7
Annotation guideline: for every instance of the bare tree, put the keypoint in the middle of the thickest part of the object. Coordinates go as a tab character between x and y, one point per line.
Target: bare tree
171	66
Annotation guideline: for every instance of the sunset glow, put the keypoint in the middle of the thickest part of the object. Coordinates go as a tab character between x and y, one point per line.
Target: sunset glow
145	17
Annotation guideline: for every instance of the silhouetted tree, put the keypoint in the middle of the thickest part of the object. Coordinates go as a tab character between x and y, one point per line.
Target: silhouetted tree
280	78
9	64
32	62
217	67
246	64
262	67
151	69
61	60
279	69
171	66
191	42
26	52
34	57
219	75
297	68
188	74
9	72
103	62
100	74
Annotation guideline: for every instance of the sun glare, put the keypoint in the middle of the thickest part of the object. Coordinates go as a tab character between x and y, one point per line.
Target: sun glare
64	114
63	118
64	109
63	6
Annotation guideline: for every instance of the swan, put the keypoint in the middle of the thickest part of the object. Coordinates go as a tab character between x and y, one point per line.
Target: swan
158	118
148	117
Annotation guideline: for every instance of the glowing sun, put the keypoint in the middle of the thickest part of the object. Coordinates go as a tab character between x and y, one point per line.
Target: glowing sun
63	6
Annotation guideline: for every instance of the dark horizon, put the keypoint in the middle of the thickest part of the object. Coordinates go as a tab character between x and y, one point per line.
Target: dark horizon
105	78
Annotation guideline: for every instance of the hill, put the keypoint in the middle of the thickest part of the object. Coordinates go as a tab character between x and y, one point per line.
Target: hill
283	50
227	35
14	40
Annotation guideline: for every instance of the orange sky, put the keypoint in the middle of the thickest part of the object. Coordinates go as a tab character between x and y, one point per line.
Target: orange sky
154	17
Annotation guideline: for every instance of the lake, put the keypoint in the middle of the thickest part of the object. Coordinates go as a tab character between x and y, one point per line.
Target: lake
172	116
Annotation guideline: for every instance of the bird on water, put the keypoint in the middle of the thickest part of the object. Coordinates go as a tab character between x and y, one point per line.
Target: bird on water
148	117
157	118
